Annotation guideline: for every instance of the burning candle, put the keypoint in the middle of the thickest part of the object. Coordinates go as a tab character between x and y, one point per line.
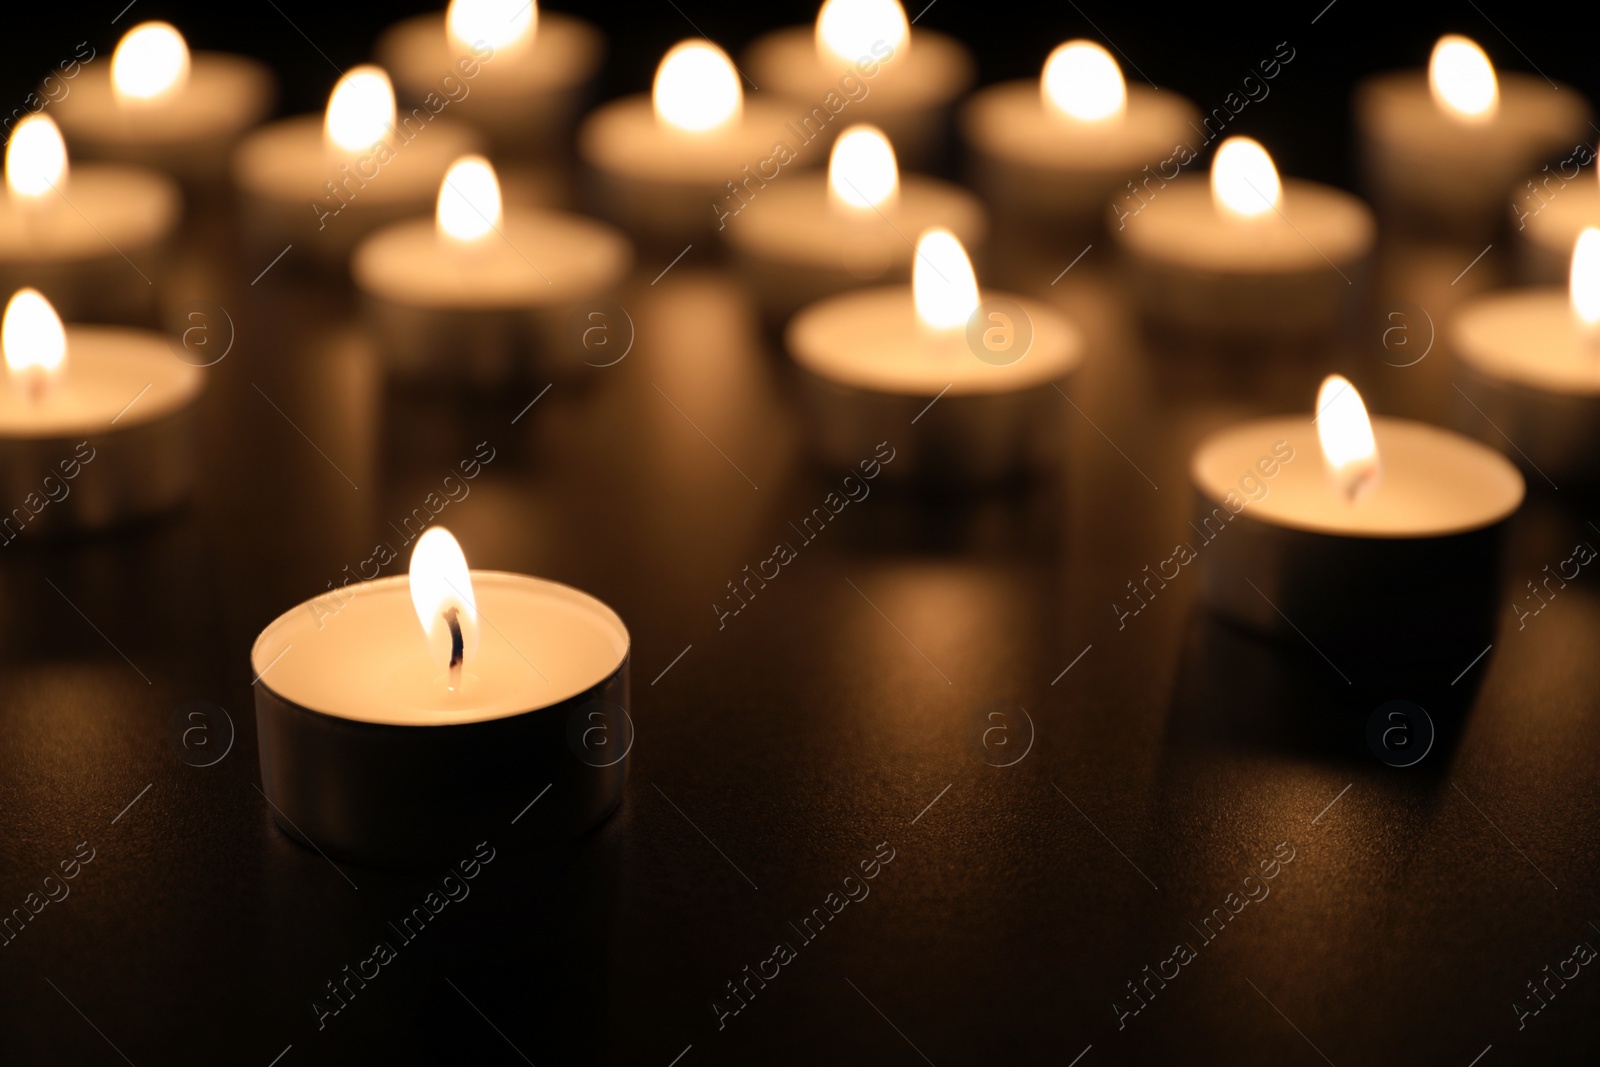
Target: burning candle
1549	216
1373	541
813	236
89	237
397	716
162	106
863	62
962	385
663	164
1443	150
323	182
97	425
1247	254
475	293
1060	150
1532	362
526	72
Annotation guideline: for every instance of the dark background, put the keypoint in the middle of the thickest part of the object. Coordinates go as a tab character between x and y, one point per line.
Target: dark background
1171	759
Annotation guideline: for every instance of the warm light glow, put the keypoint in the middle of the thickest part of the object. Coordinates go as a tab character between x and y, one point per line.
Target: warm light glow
441	588
151	62
1585	280
36	158
504	25
361	109
1083	82
1348	448
34	341
697	88
942	282
848	29
1462	79
1244	183
862	174
469	200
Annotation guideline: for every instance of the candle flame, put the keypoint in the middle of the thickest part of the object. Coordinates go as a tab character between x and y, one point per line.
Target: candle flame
441	590
862	174
696	88
1348	448
1584	283
1462	79
36	158
151	62
1083	82
34	341
1244	183
503	25
360	109
847	30
469	200
943	285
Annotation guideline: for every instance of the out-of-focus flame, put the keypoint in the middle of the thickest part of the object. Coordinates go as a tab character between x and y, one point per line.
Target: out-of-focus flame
847	30
697	88
151	63
1584	282
943	285
1462	79
1083	82
1244	182
469	200
1348	448
507	26
36	158
360	110
441	591
862	174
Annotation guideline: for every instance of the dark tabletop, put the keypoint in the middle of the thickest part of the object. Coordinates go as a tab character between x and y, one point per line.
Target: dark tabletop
847	714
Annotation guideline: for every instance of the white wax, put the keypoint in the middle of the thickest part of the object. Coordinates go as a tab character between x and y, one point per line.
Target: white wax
624	138
106	376
1551	220
536	259
1435	483
871	340
540	643
1011	122
288	162
224	95
931	74
792	220
1531	338
419	54
99	210
1313	226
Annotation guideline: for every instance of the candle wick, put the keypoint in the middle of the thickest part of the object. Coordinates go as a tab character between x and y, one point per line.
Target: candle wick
457	647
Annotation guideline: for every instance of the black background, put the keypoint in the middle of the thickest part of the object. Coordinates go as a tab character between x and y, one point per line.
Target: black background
1171	759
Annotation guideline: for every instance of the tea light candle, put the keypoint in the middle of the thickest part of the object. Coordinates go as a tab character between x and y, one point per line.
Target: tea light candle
963	386
161	106
90	239
322	183
1443	150
663	164
387	742
813	236
1380	553
527	99
1058	151
864	57
97	425
1549	227
475	293
1247	254
1532	362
